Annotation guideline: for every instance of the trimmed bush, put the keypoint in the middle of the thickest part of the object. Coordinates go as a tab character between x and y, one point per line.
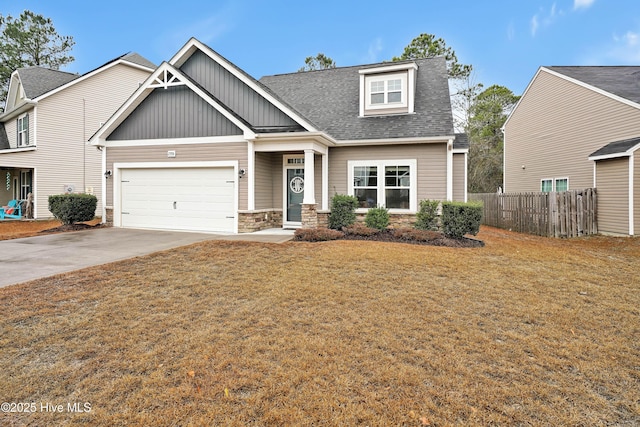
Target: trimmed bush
427	215
72	208
377	218
317	234
343	211
460	218
359	229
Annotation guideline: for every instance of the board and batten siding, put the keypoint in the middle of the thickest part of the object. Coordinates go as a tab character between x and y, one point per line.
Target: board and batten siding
175	112
64	123
236	151
612	178
234	93
431	165
554	129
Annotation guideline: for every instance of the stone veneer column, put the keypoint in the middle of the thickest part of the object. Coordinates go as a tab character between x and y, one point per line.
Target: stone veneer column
309	215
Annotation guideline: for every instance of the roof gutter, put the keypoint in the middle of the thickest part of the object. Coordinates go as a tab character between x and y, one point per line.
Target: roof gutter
17	111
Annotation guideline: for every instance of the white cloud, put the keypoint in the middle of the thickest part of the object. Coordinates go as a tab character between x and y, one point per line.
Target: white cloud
534	25
582	4
374	50
626	48
544	19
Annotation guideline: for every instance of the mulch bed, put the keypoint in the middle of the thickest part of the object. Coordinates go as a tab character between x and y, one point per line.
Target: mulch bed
442	240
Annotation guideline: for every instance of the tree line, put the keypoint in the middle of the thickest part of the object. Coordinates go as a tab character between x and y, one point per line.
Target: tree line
32	40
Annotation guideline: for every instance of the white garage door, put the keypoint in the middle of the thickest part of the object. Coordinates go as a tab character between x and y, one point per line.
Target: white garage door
195	199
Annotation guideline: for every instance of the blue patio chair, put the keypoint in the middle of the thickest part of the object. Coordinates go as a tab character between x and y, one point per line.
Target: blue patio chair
12	210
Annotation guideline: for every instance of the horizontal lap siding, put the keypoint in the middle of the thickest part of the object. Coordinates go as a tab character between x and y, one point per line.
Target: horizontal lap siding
65	122
263	181
459	183
184	153
554	129
612	179
431	162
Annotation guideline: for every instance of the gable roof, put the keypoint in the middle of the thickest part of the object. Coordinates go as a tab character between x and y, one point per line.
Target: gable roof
623	81
616	149
330	99
37	81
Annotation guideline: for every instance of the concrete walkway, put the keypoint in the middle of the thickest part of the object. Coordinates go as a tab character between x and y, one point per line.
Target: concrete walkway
32	258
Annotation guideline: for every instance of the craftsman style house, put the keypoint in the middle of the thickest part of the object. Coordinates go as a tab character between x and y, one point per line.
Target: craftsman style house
49	116
579	127
201	145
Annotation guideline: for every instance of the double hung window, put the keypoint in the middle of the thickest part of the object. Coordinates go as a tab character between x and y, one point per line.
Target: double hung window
23	131
388	183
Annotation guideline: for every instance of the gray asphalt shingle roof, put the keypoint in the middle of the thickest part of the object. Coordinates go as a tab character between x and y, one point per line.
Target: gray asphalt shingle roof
330	100
617	147
623	81
37	81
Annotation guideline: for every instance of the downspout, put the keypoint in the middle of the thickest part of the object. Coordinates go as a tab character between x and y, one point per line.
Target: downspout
450	170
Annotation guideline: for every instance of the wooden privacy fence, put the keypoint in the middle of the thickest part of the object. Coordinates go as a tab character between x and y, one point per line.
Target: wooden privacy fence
556	214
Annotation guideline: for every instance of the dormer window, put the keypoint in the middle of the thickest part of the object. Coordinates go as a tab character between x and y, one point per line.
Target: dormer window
387	90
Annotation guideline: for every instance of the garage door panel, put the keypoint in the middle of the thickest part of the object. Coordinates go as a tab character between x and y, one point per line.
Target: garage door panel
197	199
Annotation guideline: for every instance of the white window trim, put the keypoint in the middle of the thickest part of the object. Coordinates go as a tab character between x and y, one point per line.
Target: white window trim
22	132
408	70
385	78
381	164
553	183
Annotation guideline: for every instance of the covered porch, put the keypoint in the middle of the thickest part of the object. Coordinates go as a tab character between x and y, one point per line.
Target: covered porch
287	182
16	184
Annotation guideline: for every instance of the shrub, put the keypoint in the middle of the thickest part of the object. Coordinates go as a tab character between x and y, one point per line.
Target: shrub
460	218
414	235
72	208
317	234
427	215
343	211
359	229
377	218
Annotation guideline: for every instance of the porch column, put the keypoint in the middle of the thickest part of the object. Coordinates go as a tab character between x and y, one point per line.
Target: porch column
251	177
325	181
309	179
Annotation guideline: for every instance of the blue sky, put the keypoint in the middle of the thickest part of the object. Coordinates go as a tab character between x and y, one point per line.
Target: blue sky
505	40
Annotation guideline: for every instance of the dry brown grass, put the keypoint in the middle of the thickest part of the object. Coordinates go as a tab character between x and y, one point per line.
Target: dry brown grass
525	331
13	229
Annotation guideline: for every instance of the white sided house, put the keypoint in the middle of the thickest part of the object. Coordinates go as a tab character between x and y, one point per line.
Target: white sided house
579	127
202	146
49	116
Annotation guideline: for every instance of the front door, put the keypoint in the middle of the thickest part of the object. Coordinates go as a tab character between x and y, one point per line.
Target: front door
295	194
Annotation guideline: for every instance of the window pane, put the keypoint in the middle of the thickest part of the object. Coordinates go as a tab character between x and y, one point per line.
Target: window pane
545	185
365	176
562	185
394	85
377	98
377	86
367	197
397	176
395	97
397	198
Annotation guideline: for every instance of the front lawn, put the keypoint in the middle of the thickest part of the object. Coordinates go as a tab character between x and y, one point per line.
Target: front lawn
525	331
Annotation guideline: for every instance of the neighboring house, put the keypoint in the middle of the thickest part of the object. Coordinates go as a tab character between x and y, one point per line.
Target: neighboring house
203	146
579	127
49	116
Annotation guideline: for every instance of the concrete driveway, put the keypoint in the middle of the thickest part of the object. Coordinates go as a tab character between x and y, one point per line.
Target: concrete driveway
32	258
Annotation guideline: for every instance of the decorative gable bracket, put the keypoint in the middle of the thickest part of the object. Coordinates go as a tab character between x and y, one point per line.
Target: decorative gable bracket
165	79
